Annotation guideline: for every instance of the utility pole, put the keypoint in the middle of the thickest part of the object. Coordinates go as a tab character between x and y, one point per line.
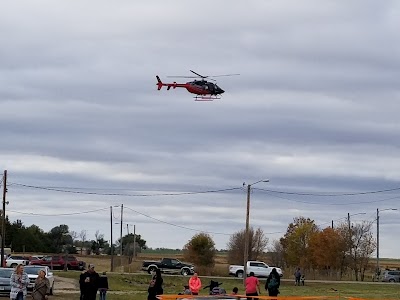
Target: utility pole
120	246
332	224
3	219
377	242
246	235
112	246
348	221
134	242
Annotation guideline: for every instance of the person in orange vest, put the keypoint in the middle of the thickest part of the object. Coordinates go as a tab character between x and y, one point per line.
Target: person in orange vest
194	284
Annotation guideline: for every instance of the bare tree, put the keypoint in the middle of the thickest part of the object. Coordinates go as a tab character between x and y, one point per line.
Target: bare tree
73	235
276	253
363	245
257	244
98	236
83	236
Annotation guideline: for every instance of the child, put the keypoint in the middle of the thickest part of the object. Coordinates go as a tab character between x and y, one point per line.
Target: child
235	291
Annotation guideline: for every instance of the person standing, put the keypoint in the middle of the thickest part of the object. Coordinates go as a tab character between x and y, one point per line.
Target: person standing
19	281
81	283
41	290
273	283
103	286
252	285
195	284
89	282
155	287
297	277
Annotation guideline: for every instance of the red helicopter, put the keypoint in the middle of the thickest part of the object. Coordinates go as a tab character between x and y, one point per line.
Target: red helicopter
204	90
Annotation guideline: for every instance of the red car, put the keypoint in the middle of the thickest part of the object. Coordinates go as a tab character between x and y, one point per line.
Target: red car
58	262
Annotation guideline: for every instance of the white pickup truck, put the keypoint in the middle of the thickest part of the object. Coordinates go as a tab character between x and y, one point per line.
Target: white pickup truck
12	261
259	268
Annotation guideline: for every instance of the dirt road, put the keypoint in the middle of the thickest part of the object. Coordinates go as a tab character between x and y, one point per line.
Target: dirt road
64	285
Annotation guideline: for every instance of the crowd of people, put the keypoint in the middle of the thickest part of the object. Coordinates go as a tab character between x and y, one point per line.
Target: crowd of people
252	286
91	282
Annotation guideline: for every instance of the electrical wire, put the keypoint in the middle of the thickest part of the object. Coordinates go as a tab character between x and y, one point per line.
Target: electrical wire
330	194
333	204
73	190
56	215
175	225
122	194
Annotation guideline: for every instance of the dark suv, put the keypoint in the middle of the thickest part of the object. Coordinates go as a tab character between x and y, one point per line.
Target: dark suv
391	276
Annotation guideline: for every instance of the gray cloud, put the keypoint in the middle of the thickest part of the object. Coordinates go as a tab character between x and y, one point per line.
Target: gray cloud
314	110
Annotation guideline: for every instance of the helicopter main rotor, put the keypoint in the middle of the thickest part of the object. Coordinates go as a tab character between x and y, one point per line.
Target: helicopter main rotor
202	76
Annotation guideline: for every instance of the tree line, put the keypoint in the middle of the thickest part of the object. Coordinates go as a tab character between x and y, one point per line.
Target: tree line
60	239
333	252
329	251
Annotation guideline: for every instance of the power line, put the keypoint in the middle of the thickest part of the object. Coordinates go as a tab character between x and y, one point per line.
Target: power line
176	225
333	204
330	194
64	214
122	194
73	190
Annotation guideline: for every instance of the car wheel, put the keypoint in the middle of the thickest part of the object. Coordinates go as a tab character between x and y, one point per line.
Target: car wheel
51	289
185	272
151	269
13	265
239	274
391	280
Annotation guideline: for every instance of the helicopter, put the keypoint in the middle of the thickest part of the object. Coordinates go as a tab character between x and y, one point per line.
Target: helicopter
204	90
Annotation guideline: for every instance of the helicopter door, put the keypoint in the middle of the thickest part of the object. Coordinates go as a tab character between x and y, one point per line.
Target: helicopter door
211	87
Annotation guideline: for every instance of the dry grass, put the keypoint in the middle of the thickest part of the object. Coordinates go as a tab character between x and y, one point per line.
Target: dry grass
103	263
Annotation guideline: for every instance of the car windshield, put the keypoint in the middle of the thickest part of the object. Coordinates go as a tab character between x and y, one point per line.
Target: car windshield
6	273
32	271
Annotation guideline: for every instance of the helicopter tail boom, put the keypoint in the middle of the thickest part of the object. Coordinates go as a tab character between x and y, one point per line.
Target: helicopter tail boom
159	83
174	85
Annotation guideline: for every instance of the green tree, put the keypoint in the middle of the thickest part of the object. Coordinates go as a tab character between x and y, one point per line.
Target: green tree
200	250
128	242
59	238
99	244
296	242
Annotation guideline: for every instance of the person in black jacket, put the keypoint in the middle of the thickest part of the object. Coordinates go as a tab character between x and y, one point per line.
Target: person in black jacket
103	286
273	283
155	287
89	282
81	281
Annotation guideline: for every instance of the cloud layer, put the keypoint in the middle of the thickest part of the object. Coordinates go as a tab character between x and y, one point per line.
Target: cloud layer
315	110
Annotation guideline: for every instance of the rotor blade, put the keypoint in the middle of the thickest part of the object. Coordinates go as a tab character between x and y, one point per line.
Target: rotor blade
183	76
198	74
224	75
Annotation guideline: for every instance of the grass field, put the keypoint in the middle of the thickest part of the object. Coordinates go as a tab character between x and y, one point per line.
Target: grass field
221	265
134	286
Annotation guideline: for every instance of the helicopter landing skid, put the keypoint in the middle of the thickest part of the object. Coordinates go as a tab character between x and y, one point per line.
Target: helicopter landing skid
206	98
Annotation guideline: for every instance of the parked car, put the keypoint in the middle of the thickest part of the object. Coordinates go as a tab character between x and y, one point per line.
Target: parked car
168	265
58	262
5	286
14	260
391	276
260	269
32	272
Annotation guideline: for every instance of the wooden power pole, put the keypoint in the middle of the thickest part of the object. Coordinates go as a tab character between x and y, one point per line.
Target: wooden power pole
3	218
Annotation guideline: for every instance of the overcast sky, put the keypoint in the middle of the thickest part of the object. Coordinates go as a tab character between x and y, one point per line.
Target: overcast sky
314	110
